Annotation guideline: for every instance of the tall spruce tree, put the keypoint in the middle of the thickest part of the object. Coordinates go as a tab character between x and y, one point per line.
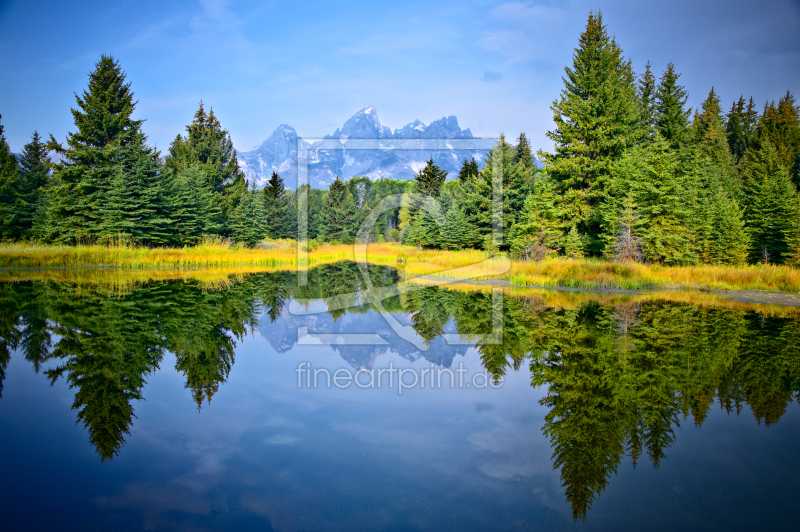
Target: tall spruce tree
541	227
523	153
136	207
34	166
338	215
430	179
191	206
208	144
672	117
596	121
647	101
771	204
83	177
246	223
277	209
781	126
9	181
739	129
648	175
469	170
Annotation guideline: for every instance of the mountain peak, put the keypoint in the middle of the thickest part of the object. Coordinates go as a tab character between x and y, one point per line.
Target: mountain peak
279	151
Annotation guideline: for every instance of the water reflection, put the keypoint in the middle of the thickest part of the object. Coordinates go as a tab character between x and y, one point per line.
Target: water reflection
619	378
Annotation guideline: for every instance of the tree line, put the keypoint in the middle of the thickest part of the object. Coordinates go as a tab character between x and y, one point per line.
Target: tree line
635	175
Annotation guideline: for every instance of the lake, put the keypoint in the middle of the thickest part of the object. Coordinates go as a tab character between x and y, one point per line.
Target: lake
269	401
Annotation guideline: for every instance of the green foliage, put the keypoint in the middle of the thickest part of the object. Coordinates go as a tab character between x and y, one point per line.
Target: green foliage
672	118
573	244
192	210
210	146
339	213
247	225
83	178
279	218
9	183
647	175
741	128
596	121
34	165
771	204
469	170
540	229
430	179
455	232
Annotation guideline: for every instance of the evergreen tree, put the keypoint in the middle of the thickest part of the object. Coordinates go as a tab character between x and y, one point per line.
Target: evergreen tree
781	127
672	118
34	178
9	181
192	208
424	231
573	244
455	231
277	212
540	228
135	206
246	223
523	153
430	179
596	120
648	174
647	101
338	215
730	241
209	145
469	170
770	204
82	178
739	129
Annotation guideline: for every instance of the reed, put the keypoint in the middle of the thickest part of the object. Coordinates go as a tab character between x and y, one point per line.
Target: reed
410	262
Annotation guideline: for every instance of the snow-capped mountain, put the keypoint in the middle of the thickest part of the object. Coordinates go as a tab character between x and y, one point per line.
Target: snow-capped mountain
396	160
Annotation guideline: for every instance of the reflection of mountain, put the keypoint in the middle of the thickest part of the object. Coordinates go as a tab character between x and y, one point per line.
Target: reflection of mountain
619	378
282	336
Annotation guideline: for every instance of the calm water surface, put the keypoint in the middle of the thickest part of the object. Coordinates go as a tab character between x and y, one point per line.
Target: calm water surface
175	406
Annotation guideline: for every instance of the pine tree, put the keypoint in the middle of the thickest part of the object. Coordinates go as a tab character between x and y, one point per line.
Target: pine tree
277	209
573	244
82	178
540	228
730	241
209	145
672	118
9	182
424	231
647	102
770	201
339	211
523	152
455	229
596	120
192	208
34	177
430	179
135	207
469	170
247	220
781	127
736	128
648	174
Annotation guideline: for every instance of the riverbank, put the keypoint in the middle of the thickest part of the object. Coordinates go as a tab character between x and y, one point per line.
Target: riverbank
472	264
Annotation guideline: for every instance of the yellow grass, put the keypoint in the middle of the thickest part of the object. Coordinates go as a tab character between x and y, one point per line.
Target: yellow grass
163	263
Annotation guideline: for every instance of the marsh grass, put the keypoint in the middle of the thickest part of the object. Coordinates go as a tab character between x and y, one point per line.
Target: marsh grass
212	256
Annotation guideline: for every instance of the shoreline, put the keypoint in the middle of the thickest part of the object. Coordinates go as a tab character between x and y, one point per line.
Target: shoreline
464	266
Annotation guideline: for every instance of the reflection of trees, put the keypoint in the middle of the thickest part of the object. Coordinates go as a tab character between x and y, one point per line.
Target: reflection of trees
618	378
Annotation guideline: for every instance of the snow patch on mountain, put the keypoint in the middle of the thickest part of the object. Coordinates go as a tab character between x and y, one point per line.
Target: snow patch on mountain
279	151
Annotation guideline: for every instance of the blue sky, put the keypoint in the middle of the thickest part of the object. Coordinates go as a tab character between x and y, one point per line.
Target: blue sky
497	66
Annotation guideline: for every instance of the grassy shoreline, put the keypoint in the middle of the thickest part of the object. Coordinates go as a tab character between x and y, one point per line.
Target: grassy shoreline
588	273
